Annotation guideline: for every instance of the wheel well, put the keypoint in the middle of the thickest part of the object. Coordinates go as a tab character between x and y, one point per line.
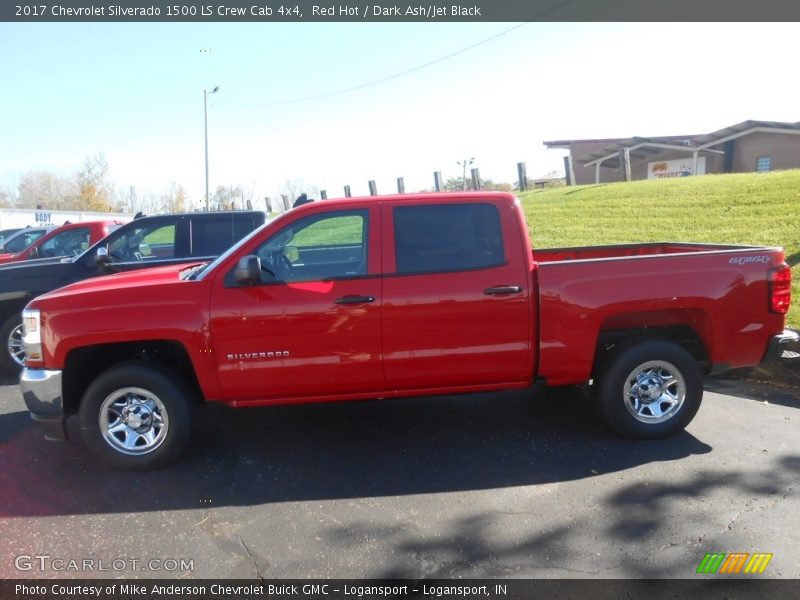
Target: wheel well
613	341
10	309
84	364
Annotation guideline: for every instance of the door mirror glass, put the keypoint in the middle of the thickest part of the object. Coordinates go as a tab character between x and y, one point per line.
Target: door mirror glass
248	271
101	257
292	253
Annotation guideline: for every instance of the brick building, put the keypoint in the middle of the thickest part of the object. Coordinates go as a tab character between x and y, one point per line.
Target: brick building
745	147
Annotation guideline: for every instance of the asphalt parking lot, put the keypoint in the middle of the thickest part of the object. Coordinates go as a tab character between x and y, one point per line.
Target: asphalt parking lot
494	485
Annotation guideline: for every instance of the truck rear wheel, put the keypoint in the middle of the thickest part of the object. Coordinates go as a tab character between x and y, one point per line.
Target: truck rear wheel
651	390
12	356
136	416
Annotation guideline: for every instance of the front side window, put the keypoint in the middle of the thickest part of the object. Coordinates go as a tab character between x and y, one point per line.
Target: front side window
330	246
447	237
150	241
67	243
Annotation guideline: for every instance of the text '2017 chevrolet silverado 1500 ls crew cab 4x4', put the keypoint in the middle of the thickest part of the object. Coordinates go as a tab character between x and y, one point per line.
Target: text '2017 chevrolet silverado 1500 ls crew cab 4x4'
397	296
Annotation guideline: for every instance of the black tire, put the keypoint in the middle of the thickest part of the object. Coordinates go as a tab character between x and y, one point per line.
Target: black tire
7	362
157	404
650	390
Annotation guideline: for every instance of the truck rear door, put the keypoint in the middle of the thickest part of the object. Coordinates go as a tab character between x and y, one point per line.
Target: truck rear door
456	295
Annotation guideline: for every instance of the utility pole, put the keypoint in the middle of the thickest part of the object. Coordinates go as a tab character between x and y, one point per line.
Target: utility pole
205	129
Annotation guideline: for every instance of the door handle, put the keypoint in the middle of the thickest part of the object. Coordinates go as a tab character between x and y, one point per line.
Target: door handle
502	289
355	299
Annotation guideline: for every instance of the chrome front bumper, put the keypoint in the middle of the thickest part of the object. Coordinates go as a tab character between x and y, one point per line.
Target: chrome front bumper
41	390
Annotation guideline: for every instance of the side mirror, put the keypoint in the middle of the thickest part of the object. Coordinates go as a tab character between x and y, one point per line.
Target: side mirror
101	258
35	252
248	271
292	253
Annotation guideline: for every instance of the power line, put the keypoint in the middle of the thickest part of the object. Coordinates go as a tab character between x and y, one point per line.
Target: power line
407	71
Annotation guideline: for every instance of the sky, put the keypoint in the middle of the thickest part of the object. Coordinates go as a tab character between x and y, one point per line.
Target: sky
135	93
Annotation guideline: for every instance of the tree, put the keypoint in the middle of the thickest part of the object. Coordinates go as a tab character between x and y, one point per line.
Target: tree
453	184
232	197
227	197
491	186
94	188
292	188
456	184
174	199
46	189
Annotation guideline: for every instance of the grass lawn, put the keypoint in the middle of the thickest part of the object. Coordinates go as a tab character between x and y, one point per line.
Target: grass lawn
748	208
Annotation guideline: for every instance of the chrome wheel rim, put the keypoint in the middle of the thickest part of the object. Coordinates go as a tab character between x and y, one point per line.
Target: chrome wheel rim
15	348
654	392
133	421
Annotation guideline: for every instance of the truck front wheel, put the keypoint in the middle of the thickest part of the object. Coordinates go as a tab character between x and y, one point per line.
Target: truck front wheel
651	390
136	416
12	357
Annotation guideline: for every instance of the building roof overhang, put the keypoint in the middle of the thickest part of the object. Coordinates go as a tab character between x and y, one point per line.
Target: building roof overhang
642	148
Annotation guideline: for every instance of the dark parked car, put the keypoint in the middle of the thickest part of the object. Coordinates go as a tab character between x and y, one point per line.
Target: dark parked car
22	238
7	233
144	242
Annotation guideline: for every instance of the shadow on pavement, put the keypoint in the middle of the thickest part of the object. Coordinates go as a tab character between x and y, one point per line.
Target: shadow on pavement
474	546
348	450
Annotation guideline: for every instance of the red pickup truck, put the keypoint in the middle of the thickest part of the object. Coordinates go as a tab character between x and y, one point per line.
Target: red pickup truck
397	296
70	239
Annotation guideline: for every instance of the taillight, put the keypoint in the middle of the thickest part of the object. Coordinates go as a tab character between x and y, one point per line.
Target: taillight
780	289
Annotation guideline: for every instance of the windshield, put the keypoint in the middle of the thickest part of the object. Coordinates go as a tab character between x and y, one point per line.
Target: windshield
209	267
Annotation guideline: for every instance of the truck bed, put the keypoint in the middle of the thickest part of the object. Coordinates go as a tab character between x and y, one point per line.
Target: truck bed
587	292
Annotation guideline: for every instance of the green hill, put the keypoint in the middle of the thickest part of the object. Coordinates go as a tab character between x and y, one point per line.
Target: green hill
749	208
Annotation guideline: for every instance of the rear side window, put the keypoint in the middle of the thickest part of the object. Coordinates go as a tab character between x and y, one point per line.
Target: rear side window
242	226
212	235
447	237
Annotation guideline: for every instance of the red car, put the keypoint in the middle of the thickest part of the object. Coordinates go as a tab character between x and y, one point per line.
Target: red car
394	296
70	239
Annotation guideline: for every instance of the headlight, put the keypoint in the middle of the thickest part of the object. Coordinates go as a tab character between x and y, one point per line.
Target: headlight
31	324
32	334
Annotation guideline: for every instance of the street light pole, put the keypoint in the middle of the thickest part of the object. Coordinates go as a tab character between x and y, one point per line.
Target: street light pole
464	163
205	128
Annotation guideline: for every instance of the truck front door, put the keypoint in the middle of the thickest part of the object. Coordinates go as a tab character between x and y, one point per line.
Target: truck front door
311	327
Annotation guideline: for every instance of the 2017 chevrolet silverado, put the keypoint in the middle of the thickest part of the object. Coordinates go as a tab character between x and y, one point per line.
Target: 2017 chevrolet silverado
397	296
